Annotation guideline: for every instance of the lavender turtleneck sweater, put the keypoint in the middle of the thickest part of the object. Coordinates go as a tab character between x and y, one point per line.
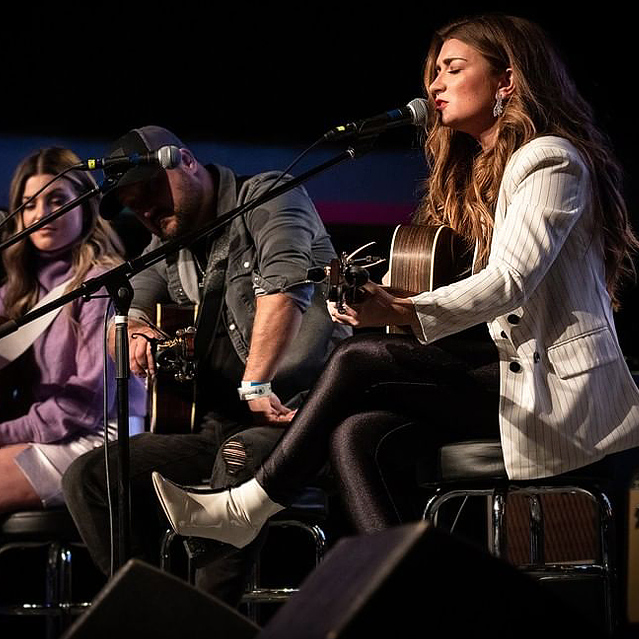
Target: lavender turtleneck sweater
68	396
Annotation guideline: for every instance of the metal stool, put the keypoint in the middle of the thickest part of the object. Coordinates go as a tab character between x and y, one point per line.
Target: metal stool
54	529
476	469
307	514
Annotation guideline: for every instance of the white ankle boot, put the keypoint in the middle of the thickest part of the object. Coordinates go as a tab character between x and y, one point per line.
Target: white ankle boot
234	516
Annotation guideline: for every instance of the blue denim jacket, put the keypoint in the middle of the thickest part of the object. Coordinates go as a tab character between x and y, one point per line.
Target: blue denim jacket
271	249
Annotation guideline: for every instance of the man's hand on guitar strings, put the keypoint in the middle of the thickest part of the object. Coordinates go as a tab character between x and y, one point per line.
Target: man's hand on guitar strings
141	360
141	357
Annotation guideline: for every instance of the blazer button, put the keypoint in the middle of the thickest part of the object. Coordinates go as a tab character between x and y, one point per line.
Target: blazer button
513	319
515	367
536	357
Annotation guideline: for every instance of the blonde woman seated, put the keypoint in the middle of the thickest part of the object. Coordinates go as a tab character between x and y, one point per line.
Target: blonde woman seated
61	368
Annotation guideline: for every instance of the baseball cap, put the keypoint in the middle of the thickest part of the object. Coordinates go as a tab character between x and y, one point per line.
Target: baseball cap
143	140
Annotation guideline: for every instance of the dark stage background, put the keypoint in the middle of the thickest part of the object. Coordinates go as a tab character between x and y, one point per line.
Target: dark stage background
253	87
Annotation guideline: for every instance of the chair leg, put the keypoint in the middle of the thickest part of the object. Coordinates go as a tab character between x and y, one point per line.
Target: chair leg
431	507
315	532
253	585
52	590
65	581
255	594
165	550
606	533
498	523
56	604
537	555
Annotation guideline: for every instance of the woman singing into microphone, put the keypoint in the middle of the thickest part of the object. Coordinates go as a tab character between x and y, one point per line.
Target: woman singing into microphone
519	169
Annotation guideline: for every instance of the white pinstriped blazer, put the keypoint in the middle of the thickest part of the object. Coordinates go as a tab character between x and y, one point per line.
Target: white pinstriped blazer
567	396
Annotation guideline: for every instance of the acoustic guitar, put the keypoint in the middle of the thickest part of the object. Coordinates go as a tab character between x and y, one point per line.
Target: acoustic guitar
423	258
172	391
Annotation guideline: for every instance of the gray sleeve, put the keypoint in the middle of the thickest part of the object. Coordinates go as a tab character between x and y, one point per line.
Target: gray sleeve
149	287
284	231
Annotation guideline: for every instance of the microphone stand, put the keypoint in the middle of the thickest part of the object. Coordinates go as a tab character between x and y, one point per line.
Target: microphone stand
116	282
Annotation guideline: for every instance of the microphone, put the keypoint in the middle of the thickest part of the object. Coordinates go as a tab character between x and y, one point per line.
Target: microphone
167	157
415	112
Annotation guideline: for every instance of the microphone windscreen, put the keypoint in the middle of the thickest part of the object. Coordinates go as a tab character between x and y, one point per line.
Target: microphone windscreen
419	109
169	156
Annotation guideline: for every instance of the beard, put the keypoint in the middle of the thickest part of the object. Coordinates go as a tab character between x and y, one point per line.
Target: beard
174	225
186	214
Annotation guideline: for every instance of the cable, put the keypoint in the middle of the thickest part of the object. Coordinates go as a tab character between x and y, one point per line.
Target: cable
287	169
459	512
105	421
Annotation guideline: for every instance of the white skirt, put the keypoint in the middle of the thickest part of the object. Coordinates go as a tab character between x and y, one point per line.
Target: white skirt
44	464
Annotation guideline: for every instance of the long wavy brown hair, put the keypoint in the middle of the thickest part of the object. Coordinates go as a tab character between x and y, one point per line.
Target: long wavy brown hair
98	244
463	183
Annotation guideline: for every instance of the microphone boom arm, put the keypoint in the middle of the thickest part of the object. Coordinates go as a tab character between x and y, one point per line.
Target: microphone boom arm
130	268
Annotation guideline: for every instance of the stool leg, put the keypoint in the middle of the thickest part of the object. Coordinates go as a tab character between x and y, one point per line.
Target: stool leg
165	550
319	539
537	556
256	594
65	589
431	507
607	531
52	590
498	528
252	611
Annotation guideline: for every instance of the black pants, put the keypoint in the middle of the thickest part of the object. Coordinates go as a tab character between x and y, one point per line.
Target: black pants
381	403
185	459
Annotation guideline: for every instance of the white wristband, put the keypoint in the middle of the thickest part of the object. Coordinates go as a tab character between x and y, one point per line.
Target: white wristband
254	390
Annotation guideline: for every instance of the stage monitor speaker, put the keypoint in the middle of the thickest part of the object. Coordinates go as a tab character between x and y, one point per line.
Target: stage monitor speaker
143	601
416	580
411	580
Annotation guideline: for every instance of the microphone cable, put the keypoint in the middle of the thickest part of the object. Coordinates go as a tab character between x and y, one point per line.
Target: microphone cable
417	106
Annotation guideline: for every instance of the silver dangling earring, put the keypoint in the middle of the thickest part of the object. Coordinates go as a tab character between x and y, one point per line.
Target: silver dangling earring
498	109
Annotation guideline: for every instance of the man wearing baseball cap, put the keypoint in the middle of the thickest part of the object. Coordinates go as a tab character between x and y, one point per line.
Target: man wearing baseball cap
266	334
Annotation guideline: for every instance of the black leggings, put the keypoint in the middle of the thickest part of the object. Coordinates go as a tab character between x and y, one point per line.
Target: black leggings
382	402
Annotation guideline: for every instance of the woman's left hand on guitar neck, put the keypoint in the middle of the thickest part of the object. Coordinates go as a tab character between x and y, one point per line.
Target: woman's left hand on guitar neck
377	306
